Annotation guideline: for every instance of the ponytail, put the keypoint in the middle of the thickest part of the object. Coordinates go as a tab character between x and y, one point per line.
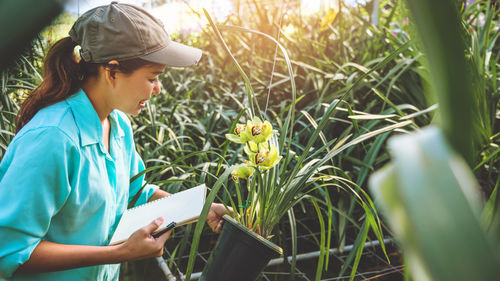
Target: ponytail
63	76
61	79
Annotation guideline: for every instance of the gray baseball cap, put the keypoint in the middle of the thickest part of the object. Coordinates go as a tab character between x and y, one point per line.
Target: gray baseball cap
122	31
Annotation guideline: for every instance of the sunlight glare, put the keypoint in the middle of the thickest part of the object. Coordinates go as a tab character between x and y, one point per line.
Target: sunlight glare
178	17
310	7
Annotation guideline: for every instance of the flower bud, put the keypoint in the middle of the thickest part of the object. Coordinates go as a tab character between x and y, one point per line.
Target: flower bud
242	172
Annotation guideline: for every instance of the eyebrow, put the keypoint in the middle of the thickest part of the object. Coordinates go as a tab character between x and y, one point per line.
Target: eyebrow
157	72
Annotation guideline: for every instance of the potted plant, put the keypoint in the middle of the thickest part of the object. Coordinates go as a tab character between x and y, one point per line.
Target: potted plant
242	250
268	186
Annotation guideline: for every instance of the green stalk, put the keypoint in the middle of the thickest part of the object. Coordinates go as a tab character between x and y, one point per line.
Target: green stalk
322	250
248	85
201	221
240	203
286	129
293	233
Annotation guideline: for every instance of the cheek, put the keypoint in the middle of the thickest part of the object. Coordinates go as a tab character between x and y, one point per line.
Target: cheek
136	88
126	86
142	85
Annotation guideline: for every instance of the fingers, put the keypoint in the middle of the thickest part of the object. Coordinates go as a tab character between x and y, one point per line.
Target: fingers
142	244
219	209
214	218
164	237
232	211
218	227
150	228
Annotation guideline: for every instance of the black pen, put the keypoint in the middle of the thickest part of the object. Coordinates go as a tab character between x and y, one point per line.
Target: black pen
169	227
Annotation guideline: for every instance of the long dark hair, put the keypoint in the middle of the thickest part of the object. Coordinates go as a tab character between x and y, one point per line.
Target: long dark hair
63	76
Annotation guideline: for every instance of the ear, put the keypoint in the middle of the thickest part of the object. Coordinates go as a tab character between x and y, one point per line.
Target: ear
110	70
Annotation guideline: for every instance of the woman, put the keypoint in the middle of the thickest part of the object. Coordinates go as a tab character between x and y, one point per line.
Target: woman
65	177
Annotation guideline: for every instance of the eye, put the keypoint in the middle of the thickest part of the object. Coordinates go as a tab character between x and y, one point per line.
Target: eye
153	80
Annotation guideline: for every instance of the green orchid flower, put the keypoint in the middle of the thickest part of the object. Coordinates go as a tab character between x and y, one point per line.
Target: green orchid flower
240	135
258	131
266	157
242	172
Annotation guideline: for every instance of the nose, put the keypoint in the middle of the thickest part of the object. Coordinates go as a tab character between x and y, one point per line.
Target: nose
157	87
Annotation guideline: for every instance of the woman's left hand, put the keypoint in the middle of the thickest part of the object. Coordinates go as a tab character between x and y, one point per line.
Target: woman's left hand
214	217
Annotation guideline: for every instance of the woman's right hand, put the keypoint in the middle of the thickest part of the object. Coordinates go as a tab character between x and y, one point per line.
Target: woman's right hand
141	244
50	256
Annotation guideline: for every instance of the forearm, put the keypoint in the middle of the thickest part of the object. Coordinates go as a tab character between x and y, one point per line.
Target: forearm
158	194
49	256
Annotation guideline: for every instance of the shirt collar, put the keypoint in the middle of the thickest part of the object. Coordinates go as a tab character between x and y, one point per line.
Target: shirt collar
116	129
88	121
86	118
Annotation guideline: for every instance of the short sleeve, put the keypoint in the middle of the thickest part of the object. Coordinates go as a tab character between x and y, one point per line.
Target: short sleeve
136	185
36	176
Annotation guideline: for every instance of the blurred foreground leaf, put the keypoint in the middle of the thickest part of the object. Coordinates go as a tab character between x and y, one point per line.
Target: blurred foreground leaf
20	22
440	29
431	200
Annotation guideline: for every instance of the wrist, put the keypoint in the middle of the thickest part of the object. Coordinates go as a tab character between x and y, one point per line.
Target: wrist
121	253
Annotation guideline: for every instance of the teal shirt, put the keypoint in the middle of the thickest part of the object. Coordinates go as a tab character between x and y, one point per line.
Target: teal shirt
58	183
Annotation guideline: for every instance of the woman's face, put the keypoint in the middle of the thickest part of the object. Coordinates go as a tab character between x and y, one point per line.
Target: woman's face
133	90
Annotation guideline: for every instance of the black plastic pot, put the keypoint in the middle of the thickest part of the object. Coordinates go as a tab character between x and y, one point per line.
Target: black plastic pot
239	255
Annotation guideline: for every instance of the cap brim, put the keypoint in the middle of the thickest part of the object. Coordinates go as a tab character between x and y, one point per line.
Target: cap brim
175	54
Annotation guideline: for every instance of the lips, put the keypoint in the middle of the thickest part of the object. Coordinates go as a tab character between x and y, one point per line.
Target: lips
142	104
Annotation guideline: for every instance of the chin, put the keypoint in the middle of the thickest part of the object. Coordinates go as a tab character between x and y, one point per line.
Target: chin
134	112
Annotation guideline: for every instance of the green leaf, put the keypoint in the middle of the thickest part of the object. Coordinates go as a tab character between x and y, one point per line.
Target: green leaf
440	29
430	198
